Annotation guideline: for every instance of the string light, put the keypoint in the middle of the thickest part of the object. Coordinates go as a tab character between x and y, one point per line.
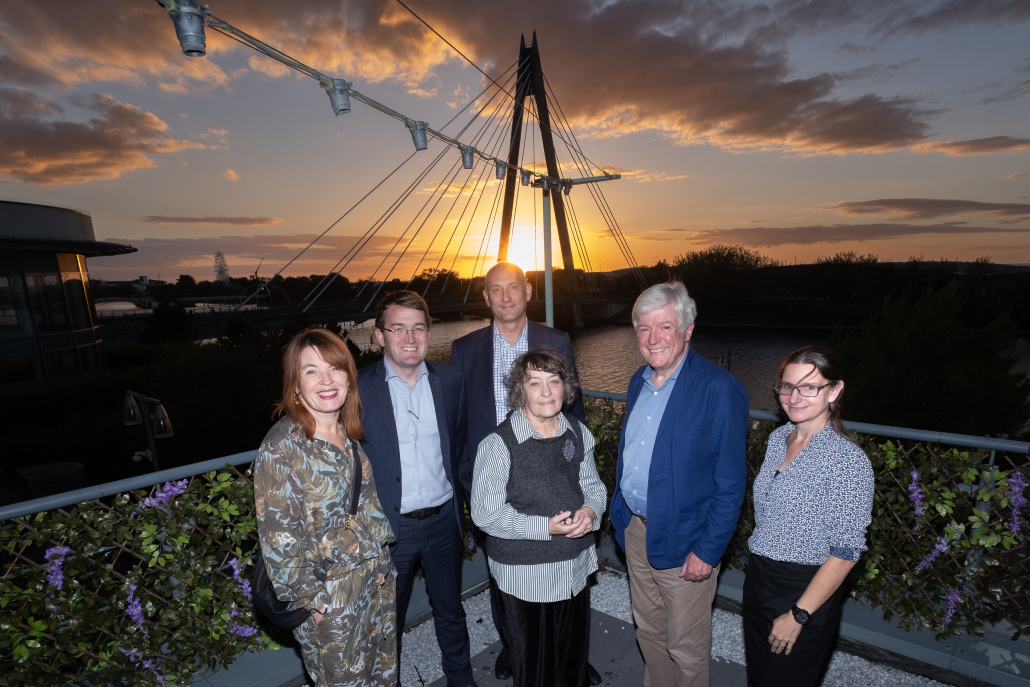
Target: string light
190	18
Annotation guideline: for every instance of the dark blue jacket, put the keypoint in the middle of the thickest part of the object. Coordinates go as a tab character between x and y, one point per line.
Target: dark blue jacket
380	442
698	469
473	355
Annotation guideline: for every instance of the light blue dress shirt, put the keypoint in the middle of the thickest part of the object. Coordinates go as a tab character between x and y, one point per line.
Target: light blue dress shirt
641	430
423	479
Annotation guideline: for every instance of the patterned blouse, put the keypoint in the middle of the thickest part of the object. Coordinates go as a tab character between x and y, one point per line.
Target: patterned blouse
302	489
819	506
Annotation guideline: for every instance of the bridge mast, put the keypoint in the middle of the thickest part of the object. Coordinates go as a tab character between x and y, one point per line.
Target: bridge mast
530	82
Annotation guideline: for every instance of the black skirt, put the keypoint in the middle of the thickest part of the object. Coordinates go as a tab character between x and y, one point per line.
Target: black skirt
548	642
770	589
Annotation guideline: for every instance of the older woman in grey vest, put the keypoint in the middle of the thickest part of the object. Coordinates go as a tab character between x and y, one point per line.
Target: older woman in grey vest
536	493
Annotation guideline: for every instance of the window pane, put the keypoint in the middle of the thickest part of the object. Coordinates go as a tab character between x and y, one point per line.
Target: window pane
90	359
47	299
61	364
9	315
77	304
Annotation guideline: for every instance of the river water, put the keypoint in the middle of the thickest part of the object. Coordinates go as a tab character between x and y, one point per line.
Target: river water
608	356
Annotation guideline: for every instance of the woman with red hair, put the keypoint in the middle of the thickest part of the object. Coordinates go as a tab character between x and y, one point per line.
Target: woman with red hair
323	532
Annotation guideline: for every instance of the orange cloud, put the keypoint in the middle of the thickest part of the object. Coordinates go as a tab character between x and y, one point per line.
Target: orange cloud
783	236
930	208
697	73
976	146
36	148
236	221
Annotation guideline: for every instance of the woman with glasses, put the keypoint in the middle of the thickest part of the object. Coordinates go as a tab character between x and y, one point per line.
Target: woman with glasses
813	499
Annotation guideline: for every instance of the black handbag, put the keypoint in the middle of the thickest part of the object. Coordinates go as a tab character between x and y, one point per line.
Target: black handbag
267	603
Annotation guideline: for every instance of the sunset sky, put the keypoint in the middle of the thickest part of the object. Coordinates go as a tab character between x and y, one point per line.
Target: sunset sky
797	128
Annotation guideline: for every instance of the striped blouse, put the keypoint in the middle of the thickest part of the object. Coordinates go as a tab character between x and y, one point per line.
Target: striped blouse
542	582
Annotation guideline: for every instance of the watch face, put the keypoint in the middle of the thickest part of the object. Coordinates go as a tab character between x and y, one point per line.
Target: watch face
800	615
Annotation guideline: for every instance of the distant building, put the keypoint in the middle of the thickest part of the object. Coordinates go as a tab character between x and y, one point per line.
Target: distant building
48	325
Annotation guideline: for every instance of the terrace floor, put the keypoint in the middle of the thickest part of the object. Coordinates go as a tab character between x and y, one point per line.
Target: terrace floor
895	657
614	653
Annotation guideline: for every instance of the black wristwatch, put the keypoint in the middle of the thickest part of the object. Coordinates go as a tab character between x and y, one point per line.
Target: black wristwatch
801	616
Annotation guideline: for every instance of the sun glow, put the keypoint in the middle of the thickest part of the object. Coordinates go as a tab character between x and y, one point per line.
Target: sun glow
523	249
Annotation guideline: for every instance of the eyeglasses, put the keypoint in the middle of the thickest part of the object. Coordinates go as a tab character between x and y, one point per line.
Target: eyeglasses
417	331
807	390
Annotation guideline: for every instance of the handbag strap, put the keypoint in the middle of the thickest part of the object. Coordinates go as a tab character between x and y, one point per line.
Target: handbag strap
358	476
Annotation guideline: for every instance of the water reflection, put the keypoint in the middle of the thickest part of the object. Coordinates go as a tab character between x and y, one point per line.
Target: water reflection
608	356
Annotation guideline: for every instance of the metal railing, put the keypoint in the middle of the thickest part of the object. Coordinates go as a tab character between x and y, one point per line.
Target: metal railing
946	438
149	480
122	539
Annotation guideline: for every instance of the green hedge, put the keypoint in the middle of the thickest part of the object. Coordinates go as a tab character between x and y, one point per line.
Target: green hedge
145	587
971	540
136	589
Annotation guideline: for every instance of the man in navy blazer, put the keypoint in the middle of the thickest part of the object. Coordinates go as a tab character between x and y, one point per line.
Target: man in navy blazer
680	482
507	293
414	421
485	357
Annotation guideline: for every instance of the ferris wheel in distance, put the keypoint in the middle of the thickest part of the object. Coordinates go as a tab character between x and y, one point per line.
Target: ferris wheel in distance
221	268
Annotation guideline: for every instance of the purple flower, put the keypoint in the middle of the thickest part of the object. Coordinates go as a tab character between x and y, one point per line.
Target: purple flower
1016	482
135	610
242	630
244	584
472	541
953	597
165	493
136	656
915	494
941	547
55	566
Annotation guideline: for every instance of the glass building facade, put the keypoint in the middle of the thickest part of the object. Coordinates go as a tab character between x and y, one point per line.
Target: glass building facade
48	324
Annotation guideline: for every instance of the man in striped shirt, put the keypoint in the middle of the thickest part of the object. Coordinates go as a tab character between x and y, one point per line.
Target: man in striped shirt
485	357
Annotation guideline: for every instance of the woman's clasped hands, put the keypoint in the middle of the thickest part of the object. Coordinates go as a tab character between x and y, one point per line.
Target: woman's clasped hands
572	525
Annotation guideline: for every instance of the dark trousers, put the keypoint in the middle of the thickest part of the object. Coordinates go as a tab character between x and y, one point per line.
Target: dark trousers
770	589
548	642
495	615
436	542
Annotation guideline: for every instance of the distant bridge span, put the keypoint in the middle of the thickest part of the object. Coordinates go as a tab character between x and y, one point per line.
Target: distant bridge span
595	308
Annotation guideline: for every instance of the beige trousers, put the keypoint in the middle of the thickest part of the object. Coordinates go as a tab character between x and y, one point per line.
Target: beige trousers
673	617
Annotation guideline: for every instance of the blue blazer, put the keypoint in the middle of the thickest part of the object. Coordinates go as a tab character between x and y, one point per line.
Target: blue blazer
382	447
473	355
698	469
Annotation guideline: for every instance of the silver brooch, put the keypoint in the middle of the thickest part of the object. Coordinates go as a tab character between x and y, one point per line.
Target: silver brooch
569	450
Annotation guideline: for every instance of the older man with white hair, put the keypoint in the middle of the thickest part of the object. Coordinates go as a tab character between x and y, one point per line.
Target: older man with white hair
680	482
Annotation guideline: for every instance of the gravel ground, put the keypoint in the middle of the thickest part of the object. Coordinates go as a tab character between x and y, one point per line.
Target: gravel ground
611	596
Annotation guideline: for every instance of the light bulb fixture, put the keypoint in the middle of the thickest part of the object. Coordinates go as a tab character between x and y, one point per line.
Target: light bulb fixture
418	134
162	425
339	96
468	156
188	17
525	177
566	186
130	411
502	167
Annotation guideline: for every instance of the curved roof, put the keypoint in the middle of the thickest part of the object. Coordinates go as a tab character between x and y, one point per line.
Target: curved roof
31	226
